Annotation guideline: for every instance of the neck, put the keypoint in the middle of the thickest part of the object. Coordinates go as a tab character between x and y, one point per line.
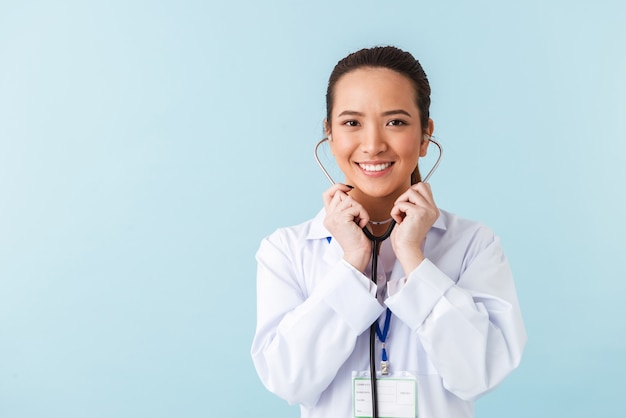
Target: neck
379	229
378	209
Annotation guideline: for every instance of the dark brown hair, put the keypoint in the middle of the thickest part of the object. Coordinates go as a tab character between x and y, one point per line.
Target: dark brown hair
391	58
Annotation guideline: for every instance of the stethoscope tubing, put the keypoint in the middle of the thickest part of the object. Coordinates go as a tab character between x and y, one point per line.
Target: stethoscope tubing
377	240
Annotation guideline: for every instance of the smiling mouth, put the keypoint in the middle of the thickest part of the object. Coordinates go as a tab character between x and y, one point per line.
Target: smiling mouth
375	167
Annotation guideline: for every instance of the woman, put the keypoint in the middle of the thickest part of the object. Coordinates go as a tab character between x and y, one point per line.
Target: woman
455	327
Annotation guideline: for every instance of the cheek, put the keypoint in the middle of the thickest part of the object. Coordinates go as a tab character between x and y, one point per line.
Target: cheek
341	150
411	150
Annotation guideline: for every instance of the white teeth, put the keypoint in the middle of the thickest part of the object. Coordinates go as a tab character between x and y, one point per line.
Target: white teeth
374	167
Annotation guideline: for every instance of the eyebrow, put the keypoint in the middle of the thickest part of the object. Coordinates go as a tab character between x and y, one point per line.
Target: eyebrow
387	113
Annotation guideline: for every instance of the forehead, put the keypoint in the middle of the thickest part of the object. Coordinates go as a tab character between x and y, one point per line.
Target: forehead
374	87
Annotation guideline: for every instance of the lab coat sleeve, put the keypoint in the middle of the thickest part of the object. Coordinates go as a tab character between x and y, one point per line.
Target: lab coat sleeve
302	340
471	329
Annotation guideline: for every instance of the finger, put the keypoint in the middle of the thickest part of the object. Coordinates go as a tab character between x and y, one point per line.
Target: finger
412	197
397	214
334	204
414	204
328	195
418	194
425	191
405	210
333	198
410	208
355	209
402	209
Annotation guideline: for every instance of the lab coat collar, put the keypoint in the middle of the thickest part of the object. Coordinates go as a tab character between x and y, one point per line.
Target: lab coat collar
317	229
441	223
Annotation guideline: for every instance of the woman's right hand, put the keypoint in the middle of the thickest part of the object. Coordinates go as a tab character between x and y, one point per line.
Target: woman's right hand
345	219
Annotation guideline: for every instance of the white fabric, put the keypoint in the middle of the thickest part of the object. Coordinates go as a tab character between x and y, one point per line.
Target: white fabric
456	321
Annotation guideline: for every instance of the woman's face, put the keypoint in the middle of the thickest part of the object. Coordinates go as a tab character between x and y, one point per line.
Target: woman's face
376	133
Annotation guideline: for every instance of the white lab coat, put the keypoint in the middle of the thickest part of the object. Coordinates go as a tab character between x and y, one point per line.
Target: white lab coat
456	320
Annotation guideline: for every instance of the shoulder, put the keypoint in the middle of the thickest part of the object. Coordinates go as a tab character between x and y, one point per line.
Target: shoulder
456	223
471	232
459	242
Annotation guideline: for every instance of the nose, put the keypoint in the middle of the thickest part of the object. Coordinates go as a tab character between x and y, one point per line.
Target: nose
373	141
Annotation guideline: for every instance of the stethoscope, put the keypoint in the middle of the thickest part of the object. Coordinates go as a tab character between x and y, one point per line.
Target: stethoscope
376	240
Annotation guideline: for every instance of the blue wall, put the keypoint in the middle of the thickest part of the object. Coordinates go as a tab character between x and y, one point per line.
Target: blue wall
146	147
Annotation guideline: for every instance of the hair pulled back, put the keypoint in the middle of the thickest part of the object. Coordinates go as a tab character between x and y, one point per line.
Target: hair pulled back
391	58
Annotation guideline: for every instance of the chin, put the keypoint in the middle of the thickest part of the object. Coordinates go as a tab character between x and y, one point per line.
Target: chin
377	192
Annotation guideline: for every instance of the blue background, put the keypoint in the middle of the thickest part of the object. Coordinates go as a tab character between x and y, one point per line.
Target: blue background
146	147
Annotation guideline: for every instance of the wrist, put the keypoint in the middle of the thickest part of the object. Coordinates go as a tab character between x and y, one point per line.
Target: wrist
410	261
358	261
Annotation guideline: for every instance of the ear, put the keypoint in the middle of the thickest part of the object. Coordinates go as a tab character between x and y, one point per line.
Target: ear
326	128
328	135
425	138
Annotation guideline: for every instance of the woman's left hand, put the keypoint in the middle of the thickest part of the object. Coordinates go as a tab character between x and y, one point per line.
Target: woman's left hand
415	212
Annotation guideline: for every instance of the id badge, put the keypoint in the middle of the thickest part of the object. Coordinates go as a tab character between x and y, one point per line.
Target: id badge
397	395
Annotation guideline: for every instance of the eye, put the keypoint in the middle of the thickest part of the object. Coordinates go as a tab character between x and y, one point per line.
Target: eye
396	122
351	123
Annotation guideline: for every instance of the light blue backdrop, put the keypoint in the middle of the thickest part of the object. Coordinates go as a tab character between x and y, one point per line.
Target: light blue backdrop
146	147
